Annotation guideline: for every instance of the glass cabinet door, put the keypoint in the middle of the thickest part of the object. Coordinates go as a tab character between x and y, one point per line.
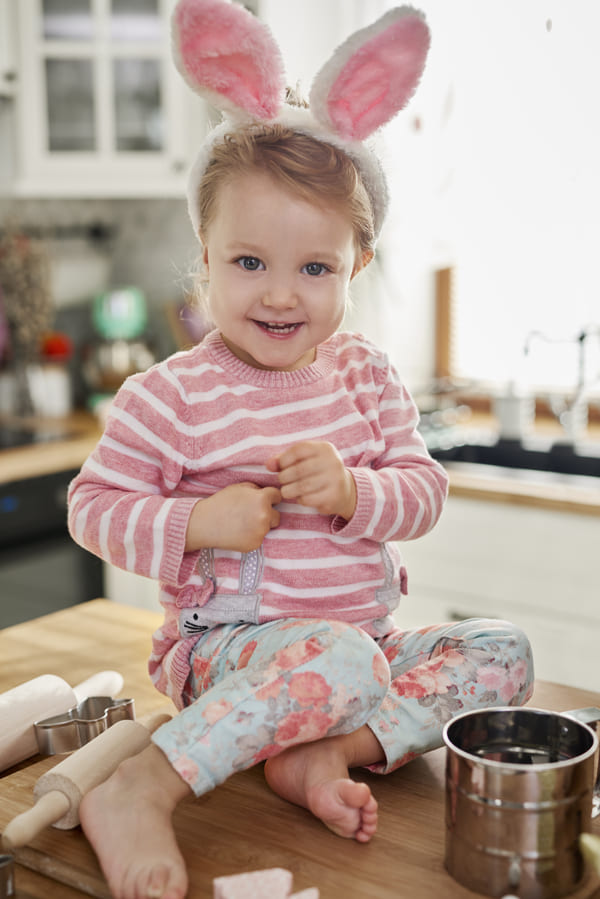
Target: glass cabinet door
101	109
137	80
68	20
135	20
98	57
137	104
70	105
70	100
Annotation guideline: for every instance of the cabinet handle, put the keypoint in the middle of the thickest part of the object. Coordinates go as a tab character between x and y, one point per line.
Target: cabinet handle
8	81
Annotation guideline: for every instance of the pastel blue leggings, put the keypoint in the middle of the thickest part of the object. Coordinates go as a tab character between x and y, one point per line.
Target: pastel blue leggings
256	690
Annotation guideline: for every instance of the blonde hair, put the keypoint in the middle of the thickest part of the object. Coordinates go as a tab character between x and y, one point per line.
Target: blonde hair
311	169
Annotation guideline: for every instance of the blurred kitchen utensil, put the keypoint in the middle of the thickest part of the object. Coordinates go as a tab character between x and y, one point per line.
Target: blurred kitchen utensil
78	270
120	314
4	332
120	317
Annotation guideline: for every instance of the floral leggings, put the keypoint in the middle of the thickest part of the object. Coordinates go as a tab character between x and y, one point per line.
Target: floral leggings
256	690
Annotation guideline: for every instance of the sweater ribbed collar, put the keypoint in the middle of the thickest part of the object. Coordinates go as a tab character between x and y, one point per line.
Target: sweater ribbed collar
320	368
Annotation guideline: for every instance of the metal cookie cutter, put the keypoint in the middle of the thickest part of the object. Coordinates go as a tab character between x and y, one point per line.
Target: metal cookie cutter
71	730
7	877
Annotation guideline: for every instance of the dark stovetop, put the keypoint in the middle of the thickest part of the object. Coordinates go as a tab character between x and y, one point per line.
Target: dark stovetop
12	436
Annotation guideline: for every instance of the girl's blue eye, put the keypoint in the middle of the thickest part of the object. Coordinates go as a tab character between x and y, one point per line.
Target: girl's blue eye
249	263
315	268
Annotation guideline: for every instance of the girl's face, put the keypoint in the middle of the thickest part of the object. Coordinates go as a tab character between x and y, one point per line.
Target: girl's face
279	269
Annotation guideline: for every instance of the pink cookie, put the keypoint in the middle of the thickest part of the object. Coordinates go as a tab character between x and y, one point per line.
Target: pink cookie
276	883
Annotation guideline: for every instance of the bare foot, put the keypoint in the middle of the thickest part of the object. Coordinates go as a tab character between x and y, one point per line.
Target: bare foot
315	776
127	820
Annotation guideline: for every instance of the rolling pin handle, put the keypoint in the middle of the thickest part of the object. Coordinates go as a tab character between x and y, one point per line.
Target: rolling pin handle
26	826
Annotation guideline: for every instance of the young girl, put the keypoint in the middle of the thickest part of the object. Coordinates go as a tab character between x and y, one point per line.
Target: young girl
264	478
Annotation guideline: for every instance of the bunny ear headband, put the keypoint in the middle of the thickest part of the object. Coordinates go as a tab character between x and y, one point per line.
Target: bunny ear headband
229	57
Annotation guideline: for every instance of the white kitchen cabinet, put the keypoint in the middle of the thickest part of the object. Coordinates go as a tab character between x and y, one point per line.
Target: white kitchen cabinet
534	567
8	60
130	589
100	107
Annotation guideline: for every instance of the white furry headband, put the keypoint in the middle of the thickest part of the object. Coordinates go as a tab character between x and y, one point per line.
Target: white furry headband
229	57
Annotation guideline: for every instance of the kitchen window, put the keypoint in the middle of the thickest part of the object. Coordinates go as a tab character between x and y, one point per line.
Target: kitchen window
495	174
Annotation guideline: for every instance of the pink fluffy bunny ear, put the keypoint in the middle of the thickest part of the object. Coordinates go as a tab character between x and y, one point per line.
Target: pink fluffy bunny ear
373	75
225	54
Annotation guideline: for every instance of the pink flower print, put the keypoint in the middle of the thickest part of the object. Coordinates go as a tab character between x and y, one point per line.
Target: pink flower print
406	758
302	727
422	681
186	768
453	658
214	711
246	654
493	677
201	670
309	689
293	656
381	669
271	690
519	672
515	678
390	653
267	752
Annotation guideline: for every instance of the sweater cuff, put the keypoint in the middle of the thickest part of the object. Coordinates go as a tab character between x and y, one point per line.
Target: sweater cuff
365	506
177	565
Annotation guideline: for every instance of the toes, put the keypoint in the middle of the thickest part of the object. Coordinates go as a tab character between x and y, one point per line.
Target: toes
157	883
354	795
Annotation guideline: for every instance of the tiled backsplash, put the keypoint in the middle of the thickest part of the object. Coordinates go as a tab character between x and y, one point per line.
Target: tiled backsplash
147	243
152	244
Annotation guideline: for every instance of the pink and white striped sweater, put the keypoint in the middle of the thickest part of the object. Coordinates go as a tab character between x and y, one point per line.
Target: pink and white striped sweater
203	419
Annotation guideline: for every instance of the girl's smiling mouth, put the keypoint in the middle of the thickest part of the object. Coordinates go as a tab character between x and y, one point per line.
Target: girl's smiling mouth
279	329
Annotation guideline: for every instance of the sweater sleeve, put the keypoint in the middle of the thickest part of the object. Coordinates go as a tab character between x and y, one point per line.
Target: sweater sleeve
123	505
400	496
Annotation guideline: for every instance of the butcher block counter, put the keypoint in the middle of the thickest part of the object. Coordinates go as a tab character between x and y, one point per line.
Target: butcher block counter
241	825
70	442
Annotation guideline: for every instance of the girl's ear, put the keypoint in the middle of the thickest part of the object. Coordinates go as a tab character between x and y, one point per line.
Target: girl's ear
229	57
362	262
373	75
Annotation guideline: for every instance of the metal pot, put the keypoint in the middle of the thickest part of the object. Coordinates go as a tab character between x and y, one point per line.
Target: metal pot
519	792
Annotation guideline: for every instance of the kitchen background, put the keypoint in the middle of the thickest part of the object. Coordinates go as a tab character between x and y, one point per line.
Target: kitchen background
484	290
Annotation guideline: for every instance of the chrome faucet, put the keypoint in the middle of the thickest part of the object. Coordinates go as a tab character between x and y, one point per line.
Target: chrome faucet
571	412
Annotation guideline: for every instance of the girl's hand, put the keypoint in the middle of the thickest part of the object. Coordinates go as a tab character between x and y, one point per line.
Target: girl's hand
313	474
238	518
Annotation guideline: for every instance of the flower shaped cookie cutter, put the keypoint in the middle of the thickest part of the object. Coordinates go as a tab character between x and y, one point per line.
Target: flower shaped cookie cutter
72	729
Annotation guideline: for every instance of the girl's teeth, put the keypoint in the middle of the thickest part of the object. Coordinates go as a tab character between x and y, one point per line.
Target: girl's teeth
281	329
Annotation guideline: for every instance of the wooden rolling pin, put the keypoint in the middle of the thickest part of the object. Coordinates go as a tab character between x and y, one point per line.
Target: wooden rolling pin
42	697
59	791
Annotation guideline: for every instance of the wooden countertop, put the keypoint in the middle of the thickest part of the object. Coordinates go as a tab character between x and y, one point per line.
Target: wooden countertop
241	825
556	492
48	457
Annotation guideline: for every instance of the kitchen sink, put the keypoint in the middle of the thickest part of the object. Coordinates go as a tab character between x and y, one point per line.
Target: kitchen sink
562	458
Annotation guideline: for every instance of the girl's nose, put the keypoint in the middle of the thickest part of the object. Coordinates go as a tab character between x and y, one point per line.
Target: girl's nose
280	295
280	299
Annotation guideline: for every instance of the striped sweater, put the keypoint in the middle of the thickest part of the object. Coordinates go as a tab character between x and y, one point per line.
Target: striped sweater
202	420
